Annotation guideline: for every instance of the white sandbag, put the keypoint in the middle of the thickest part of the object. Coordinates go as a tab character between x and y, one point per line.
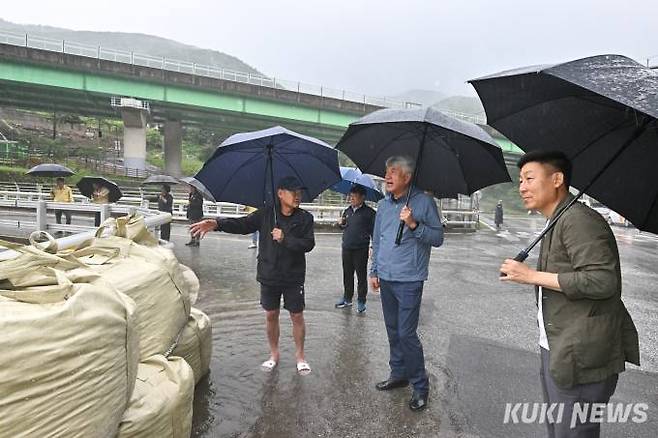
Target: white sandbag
195	343
192	283
69	357
161	404
162	307
152	277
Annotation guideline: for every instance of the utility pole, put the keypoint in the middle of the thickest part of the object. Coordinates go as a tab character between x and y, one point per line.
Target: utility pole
54	125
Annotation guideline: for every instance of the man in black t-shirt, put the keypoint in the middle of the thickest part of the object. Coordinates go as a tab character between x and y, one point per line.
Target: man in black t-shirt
281	266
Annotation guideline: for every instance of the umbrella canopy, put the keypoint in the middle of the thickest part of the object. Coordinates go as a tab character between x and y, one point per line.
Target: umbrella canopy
86	187
352	176
189	180
600	111
160	179
246	166
452	156
50	170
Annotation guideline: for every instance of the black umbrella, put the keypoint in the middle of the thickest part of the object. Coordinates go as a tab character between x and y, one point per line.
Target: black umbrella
452	156
160	179
86	187
50	170
190	180
601	112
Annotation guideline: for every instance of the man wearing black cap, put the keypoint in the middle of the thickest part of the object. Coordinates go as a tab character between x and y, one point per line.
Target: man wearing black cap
357	222
281	267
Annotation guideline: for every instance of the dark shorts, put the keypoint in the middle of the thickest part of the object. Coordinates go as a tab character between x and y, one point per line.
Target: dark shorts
293	297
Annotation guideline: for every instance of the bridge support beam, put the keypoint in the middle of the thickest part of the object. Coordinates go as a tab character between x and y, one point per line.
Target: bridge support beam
134	138
173	150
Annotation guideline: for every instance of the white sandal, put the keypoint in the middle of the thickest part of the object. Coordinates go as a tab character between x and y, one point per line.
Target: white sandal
268	366
303	368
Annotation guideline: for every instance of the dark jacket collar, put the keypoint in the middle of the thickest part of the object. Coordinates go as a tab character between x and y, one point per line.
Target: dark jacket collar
414	192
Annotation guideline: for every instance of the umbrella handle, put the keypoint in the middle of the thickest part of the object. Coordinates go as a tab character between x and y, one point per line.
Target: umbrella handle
398	237
520	257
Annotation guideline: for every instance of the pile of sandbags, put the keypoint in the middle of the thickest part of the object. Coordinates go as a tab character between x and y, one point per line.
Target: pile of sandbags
91	339
69	355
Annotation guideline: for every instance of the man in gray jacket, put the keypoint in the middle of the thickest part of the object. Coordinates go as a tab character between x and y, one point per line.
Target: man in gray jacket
400	271
585	333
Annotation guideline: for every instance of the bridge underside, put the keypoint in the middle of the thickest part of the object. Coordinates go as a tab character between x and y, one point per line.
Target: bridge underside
31	97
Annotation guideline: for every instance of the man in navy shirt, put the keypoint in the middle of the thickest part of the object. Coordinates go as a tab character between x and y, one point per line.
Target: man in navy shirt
357	222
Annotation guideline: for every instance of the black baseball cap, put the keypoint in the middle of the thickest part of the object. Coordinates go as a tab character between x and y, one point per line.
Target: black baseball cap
290	183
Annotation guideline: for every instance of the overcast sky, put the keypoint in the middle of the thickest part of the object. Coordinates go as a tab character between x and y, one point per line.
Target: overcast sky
375	46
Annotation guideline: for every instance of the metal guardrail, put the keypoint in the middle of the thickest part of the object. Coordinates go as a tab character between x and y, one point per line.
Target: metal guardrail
36	201
459	213
98	52
129	102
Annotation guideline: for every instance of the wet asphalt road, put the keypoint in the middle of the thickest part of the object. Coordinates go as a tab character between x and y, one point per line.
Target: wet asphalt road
479	336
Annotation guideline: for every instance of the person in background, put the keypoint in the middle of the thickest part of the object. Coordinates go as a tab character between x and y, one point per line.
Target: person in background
357	222
62	193
100	195
165	203
498	216
194	212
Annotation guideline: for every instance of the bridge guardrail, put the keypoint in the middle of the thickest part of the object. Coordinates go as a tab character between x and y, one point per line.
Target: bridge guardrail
144	60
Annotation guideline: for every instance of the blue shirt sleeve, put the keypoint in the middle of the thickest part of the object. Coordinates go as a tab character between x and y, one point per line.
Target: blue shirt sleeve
429	229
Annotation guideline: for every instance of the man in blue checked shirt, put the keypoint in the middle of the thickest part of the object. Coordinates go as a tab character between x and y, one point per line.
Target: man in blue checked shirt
399	271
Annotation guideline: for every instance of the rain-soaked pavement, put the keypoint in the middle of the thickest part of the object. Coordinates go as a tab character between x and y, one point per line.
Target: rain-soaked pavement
479	336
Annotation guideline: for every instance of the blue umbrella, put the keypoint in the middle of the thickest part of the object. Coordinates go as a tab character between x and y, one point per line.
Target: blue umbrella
246	167
352	176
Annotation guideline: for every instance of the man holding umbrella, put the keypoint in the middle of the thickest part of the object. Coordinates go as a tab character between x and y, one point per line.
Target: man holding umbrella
165	203
285	236
585	333
400	271
452	157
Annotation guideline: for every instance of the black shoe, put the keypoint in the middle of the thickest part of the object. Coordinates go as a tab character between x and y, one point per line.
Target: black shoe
418	401
190	243
391	384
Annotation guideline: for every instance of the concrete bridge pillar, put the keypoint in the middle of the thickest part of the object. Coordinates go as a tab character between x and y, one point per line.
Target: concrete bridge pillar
173	150
134	138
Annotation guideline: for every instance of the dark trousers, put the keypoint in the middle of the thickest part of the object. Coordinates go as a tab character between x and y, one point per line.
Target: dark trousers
165	231
598	392
401	306
355	260
58	216
97	219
